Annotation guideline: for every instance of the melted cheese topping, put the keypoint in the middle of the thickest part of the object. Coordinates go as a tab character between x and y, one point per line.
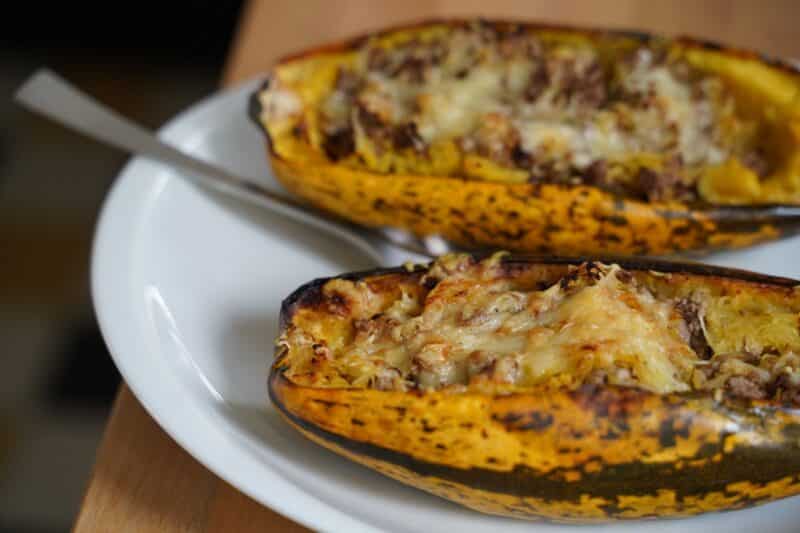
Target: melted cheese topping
671	122
476	327
559	105
468	331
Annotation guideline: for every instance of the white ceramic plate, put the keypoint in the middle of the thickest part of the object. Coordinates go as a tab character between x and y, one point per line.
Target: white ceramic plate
187	290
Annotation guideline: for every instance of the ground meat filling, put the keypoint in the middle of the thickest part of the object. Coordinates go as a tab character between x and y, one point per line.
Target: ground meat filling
339	144
743	375
640	123
471	325
692	314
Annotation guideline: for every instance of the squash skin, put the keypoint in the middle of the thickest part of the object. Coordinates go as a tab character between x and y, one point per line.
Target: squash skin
545	219
594	454
542	219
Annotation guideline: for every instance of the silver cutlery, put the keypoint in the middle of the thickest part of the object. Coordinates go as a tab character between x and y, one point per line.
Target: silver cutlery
48	94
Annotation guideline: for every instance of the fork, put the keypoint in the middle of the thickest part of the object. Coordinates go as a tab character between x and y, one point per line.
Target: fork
48	94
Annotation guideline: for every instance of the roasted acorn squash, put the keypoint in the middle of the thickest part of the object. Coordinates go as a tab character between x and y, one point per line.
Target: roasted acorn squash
535	138
553	388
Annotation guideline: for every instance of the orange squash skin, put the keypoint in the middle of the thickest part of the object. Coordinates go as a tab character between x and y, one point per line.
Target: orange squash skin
594	454
535	218
547	219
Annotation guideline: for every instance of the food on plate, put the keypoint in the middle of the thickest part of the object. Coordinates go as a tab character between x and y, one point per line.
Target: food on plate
562	389
537	138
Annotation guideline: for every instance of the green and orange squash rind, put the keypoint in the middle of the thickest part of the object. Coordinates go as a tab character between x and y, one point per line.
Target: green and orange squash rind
593	454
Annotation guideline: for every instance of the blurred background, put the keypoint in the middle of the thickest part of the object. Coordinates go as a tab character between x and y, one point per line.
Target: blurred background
150	60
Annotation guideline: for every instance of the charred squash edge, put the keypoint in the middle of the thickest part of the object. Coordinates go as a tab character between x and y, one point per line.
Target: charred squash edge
678	227
725	472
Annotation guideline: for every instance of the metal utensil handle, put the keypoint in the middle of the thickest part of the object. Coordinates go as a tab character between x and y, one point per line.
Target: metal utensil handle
46	93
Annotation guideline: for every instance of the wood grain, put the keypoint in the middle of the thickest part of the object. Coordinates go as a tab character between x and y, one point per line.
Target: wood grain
143	481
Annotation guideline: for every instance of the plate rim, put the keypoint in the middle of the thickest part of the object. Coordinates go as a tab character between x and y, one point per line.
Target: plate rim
107	250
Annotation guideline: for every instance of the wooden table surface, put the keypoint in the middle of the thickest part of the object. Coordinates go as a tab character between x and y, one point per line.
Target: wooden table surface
142	480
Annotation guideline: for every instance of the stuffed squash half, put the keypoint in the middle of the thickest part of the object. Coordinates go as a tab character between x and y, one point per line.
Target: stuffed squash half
542	139
557	389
